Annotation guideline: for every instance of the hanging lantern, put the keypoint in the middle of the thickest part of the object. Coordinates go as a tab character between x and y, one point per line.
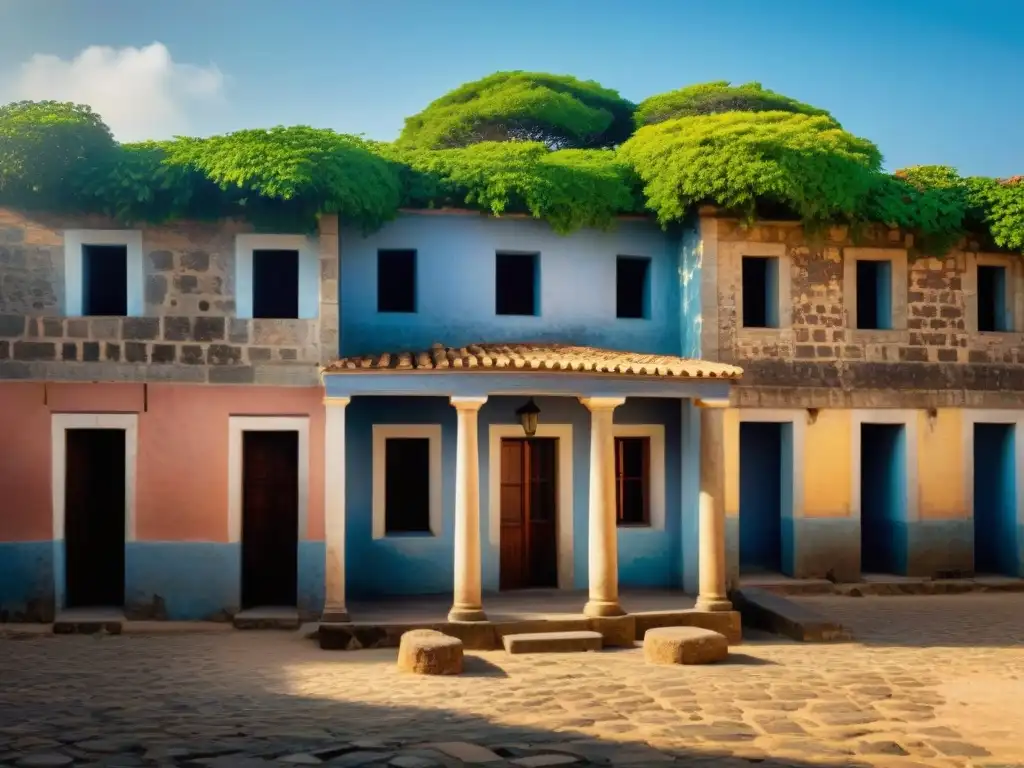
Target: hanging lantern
528	417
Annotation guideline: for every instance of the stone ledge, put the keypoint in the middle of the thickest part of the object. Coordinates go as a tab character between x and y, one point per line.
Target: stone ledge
725	623
774	613
429	652
553	642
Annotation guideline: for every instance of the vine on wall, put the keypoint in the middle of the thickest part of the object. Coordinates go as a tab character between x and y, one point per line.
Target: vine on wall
567	151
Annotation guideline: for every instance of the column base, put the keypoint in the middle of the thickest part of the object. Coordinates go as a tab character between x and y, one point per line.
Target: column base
713	604
335	616
601	608
466	613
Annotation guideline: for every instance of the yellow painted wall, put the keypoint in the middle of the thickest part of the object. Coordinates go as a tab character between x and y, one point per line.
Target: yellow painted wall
940	465
827	464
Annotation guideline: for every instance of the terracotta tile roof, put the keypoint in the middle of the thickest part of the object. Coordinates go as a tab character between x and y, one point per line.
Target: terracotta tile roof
536	356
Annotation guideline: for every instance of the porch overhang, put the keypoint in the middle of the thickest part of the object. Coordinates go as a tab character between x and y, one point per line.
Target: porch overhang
528	368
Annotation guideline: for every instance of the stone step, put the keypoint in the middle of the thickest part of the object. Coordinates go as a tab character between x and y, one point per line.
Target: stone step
268	617
89	621
553	642
774	613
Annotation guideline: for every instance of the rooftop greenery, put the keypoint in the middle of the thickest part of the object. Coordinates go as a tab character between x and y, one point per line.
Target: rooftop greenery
568	151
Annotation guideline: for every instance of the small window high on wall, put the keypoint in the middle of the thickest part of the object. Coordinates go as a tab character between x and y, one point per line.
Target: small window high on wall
760	292
516	279
275	284
632	287
105	280
407	485
993	307
874	294
396	281
632	480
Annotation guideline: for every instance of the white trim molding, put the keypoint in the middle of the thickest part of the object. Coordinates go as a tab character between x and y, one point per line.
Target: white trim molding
74	270
992	416
797	419
563	514
59	424
240	424
309	270
381	433
656	481
908	420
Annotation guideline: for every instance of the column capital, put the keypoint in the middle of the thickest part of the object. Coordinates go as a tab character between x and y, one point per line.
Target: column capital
602	403
338	402
468	403
712	402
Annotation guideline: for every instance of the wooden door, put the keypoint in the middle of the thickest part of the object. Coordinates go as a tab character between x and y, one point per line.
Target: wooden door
270	518
94	522
529	531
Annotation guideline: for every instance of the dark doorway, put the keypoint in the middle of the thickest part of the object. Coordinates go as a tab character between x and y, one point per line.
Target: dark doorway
883	495
995	500
762	446
270	519
529	544
94	518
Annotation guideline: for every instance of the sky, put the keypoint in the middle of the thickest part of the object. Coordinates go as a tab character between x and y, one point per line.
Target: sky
929	81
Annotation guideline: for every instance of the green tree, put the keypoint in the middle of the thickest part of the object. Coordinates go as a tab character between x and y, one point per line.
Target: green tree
557	110
713	98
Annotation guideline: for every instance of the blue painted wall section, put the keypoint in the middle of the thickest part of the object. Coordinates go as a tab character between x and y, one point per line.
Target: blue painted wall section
995	500
689	271
183	581
456	285
26	581
884	535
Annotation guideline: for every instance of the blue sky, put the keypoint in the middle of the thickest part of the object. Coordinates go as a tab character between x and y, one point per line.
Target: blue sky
930	81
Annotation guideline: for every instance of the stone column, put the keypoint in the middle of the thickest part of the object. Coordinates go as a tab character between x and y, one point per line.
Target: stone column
468	604
334	510
603	558
711	521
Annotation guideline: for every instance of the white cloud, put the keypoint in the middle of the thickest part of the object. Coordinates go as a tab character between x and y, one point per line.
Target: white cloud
141	93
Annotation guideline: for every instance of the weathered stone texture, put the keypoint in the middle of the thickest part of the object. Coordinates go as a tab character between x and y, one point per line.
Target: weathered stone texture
190	303
933	350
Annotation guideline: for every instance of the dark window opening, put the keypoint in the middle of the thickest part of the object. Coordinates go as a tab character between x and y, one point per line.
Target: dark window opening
275	284
760	292
396	281
992	314
632	480
105	280
407	485
874	295
632	289
515	285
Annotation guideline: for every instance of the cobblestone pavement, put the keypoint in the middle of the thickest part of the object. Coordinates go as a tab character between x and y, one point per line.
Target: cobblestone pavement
935	681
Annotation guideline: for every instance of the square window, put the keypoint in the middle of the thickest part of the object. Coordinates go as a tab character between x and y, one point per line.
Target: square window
632	480
993	314
396	281
407	485
760	292
874	294
516	283
632	287
275	284
105	280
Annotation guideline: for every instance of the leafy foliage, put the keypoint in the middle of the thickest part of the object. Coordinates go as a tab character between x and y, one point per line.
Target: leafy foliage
557	110
551	146
714	98
734	159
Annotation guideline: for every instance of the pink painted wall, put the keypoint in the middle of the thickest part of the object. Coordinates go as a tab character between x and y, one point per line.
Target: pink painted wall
182	470
25	501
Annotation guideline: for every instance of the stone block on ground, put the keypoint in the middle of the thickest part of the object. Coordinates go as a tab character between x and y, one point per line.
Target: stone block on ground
553	642
684	645
617	631
429	652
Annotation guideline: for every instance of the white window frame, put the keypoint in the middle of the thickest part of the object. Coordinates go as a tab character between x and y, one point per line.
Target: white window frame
899	288
237	425
60	423
309	271
784	288
74	267
381	434
563	514
655	433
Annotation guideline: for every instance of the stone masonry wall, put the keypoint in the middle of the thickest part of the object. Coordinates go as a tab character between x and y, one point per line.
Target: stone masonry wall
933	357
189	332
